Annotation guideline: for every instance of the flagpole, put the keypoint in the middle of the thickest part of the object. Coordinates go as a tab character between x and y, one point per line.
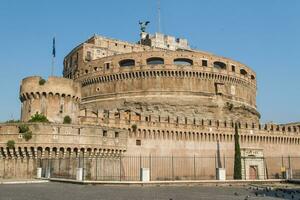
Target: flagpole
52	65
53	56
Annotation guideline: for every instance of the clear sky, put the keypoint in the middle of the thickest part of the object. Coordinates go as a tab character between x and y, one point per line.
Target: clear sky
263	34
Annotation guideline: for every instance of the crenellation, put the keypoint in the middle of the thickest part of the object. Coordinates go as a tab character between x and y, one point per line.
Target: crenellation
149	98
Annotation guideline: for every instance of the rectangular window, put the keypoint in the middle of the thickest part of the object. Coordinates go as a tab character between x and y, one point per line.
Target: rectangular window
104	133
116	134
204	63
106	65
138	142
233	68
88	56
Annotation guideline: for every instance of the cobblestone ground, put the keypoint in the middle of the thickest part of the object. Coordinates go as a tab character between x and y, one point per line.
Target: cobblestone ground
61	191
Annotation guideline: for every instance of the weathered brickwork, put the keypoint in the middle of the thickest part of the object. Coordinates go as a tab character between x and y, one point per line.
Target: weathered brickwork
135	99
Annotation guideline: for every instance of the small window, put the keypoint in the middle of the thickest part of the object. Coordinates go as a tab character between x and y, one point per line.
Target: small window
88	56
155	61
183	61
79	131
252	77
104	133
86	71
138	142
219	65
61	108
106	65
116	134
243	72
204	63
116	44
233	68
127	63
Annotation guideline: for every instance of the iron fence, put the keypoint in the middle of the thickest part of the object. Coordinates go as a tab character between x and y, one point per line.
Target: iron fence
127	168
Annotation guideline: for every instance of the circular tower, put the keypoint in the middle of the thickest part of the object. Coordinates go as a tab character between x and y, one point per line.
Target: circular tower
176	84
55	98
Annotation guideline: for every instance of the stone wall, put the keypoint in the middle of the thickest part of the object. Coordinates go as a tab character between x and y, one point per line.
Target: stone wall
56	98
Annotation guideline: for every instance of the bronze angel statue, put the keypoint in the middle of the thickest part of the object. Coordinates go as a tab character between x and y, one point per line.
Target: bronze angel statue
143	25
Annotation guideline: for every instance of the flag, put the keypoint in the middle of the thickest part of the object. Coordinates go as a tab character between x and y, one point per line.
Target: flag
53	48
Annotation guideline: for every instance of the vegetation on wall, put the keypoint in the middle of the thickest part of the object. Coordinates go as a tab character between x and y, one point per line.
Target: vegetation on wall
27	136
26	133
38	118
42	81
10	144
23	128
134	127
67	119
237	155
13	121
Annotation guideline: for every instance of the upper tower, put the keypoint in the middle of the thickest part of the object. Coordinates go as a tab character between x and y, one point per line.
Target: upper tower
55	98
161	76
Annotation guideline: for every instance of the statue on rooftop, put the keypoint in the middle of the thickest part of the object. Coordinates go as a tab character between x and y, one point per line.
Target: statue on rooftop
143	25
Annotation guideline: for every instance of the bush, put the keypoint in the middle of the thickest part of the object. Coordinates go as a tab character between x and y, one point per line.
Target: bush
38	118
23	128
42	81
10	144
134	127
67	120
13	121
27	136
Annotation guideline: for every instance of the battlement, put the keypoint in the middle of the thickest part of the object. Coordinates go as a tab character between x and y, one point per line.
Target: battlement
179	123
55	98
159	40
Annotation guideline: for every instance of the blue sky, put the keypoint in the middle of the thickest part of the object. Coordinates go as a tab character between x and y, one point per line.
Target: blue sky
265	35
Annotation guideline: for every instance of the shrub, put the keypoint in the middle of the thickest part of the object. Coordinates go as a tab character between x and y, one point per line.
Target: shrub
38	118
134	127
23	128
27	136
42	81
13	121
67	119
10	144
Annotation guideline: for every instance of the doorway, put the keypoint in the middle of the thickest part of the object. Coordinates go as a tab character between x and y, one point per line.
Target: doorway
253	174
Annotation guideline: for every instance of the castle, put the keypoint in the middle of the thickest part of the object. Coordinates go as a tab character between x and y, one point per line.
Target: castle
158	97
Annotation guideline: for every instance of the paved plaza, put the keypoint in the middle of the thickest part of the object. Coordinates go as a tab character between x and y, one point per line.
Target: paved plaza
62	191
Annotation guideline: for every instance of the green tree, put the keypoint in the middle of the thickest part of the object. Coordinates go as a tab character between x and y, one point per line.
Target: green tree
67	119
10	144
237	155
38	118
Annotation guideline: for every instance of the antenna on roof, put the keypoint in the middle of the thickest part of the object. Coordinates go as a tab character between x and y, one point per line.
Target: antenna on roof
158	15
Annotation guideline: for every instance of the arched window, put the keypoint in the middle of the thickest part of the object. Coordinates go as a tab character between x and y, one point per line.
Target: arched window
155	61
243	72
219	65
252	77
127	63
183	61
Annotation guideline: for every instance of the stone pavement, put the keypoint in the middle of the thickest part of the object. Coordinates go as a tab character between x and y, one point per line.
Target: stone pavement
62	191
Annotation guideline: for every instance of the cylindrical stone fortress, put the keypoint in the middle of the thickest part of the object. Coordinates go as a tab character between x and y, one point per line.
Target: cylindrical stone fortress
55	98
162	82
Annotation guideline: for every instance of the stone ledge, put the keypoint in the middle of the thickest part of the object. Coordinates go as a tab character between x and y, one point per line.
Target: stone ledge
185	182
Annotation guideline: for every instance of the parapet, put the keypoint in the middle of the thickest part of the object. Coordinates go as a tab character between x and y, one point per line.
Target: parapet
54	85
162	41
